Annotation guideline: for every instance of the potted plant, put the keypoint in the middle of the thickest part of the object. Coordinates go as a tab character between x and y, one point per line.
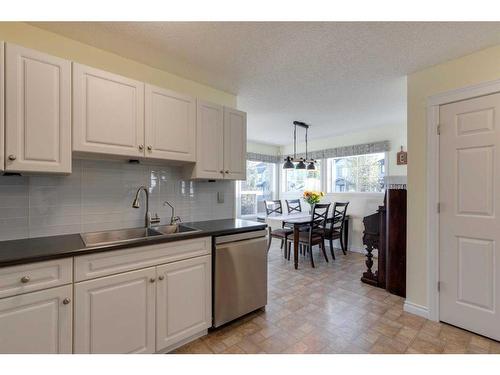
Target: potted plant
312	197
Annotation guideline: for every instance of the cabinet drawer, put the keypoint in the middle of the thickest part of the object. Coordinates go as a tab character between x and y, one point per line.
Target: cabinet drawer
112	262
35	276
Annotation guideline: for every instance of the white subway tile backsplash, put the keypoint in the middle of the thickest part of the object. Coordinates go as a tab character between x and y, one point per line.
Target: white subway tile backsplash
98	196
14	228
13	212
54	230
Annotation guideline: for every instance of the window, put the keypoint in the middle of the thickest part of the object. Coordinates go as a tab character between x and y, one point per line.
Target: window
259	186
361	173
298	180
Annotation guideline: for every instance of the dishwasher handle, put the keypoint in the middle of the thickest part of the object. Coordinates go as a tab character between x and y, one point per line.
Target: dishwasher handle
240	236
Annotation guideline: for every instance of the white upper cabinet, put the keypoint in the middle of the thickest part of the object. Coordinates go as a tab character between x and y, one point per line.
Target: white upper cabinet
221	142
51	107
37	111
209	141
2	112
108	113
235	144
170	125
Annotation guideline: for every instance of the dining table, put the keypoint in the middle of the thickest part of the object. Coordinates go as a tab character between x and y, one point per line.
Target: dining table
297	220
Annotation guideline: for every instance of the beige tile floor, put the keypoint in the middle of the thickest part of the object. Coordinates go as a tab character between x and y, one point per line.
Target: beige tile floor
328	310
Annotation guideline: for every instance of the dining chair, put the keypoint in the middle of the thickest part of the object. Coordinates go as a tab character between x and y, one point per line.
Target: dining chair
275	207
335	230
293	205
315	233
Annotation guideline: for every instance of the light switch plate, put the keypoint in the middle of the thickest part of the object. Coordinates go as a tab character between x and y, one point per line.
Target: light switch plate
220	197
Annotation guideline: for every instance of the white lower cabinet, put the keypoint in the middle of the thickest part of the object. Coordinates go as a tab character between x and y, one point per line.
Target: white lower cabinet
116	314
37	322
147	299
183	300
150	310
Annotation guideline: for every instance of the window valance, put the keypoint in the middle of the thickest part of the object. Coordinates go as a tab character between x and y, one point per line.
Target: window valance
253	156
353	150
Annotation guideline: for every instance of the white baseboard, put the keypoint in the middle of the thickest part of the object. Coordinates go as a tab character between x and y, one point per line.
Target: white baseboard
351	248
413	308
357	250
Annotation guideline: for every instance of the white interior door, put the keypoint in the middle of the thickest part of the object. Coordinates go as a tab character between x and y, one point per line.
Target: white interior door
37	111
235	144
2	113
170	124
469	255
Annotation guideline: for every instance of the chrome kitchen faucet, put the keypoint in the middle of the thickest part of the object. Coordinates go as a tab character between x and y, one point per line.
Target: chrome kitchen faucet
148	220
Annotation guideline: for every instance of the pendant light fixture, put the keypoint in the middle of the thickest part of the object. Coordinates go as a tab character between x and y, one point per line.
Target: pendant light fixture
302	163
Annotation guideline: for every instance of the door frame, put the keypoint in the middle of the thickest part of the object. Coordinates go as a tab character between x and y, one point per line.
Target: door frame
432	186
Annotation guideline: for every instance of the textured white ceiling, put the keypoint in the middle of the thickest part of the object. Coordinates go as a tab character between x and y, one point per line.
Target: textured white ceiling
338	77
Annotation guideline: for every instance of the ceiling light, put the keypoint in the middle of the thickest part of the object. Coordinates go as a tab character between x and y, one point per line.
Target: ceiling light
301	163
288	163
311	166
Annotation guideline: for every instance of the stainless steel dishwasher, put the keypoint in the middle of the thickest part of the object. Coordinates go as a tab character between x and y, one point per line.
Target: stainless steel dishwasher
240	275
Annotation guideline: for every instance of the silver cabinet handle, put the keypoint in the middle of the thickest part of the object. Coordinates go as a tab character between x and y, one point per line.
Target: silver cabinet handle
150	148
152	280
66	301
141	147
227	172
161	277
12	157
25	279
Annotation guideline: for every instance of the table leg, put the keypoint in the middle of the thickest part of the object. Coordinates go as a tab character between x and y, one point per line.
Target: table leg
296	246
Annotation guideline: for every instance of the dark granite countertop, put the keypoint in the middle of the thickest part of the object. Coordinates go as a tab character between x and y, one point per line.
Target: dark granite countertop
44	248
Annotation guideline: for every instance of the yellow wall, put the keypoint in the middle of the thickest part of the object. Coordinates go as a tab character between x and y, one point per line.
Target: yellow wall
468	70
54	44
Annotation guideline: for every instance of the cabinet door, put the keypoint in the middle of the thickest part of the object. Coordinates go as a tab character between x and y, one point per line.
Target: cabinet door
235	144
116	314
2	113
108	113
170	125
209	141
38	111
183	301
38	322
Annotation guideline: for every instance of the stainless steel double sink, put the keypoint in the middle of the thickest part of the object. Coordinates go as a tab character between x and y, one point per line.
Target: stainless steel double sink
133	234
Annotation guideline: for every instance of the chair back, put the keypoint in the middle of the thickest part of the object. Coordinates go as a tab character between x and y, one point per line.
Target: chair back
319	215
293	205
273	207
339	213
